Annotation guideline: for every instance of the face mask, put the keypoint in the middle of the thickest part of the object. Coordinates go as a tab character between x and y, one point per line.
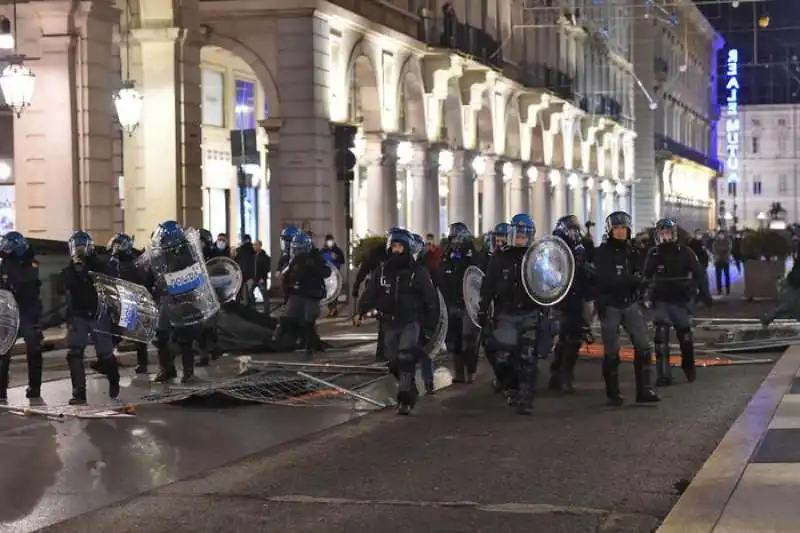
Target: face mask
220	245
329	243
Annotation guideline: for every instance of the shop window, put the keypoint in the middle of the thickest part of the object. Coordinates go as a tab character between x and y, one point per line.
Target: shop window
245	105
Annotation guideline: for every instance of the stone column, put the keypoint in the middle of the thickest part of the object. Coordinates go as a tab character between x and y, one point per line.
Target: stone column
519	189
470	184
578	203
304	188
539	188
492	193
63	142
459	184
419	190
381	158
559	201
647	186
524	193
431	197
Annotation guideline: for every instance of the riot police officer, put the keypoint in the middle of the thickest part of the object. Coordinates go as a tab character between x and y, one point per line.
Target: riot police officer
517	318
123	265
305	288
572	325
19	274
404	296
618	284
82	319
676	277
170	238
462	336
425	361
209	339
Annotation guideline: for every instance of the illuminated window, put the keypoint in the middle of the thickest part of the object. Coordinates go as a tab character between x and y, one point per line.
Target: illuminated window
245	105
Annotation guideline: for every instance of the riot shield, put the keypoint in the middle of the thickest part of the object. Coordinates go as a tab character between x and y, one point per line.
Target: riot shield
548	270
333	285
436	342
473	279
131	309
188	297
226	277
9	321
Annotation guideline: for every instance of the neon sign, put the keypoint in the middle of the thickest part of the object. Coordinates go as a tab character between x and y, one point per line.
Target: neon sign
732	123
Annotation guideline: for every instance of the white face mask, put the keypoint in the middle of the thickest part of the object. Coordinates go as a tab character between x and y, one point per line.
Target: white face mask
329	243
220	245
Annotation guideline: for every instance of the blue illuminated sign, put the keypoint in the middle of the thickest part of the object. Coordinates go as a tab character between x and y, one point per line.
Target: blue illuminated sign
732	122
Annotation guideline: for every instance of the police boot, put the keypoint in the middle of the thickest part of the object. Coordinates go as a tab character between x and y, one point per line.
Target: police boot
611	377
112	366
687	360
641	372
187	358
35	365
663	369
5	370
570	361
556	378
310	339
77	375
166	364
459	368
527	388
141	358
407	394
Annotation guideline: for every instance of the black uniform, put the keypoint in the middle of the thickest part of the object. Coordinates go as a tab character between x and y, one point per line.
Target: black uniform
677	278
209	340
305	287
124	266
573	329
374	258
403	294
20	276
83	322
618	284
516	327
462	335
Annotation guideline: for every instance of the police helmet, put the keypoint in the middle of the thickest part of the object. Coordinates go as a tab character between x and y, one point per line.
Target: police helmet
569	229
618	219
301	244
522	225
666	231
287	237
80	244
13	243
459	233
168	234
120	244
399	236
417	245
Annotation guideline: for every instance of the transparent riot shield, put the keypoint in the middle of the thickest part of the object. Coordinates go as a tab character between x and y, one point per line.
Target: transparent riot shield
132	312
548	270
436	343
333	285
9	321
226	277
188	297
471	286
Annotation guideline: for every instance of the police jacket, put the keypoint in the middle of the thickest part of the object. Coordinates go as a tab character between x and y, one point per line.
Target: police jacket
503	284
582	283
450	274
79	287
306	274
674	274
402	292
484	256
125	267
618	274
373	260
20	275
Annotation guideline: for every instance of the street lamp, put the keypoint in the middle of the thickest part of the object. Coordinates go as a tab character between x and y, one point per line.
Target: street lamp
128	104
446	161
17	83
479	165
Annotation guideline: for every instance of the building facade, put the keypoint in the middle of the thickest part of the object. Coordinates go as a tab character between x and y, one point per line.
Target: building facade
676	56
461	117
768	154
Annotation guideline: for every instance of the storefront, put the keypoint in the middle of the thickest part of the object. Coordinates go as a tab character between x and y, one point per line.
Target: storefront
686	193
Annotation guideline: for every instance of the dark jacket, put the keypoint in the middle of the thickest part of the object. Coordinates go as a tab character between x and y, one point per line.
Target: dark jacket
449	276
263	264
699	250
402	292
306	275
333	255
674	274
20	275
618	274
503	284
79	287
125	267
246	259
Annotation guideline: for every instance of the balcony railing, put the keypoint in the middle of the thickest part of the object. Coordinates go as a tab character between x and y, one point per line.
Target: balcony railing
662	142
460	37
600	104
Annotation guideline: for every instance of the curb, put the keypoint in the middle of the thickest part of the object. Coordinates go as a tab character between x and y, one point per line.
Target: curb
701	506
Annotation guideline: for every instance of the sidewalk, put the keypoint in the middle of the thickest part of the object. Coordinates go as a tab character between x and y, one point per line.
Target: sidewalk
751	483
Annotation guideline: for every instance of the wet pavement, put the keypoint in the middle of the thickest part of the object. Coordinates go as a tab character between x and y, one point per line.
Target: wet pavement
461	463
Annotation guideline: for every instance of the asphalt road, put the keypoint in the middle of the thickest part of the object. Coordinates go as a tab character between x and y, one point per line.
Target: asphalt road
463	463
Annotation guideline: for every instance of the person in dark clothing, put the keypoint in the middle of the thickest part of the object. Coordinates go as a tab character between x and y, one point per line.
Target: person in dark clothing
618	282
425	361
262	272
19	274
82	319
222	246
404	296
123	265
722	248
287	235
450	24
333	255
698	247
305	278
246	259
675	277
736	251
209	339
